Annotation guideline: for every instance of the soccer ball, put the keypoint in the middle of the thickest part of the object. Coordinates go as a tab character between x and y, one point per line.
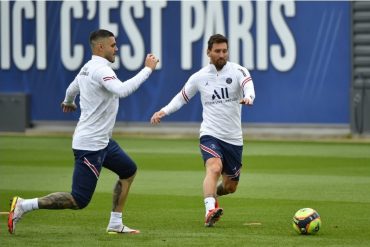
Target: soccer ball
306	221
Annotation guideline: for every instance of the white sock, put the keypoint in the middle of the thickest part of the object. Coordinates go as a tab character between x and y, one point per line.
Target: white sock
209	203
30	204
115	219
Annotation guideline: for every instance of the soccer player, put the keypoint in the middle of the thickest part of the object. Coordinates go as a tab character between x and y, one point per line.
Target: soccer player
99	90
224	86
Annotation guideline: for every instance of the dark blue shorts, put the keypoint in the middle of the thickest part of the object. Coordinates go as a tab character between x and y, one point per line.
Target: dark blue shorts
88	165
230	155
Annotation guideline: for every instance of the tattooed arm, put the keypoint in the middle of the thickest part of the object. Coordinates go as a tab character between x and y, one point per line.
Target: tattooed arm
58	200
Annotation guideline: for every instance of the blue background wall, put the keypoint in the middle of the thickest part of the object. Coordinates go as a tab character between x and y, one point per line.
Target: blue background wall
311	88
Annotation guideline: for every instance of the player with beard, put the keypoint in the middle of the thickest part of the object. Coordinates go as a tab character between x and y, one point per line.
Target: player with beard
224	86
99	89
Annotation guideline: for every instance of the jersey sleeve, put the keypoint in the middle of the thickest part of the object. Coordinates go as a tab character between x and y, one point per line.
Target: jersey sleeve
72	91
109	80
246	83
183	97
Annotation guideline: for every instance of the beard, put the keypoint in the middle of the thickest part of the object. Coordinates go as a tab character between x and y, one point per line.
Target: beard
220	63
111	59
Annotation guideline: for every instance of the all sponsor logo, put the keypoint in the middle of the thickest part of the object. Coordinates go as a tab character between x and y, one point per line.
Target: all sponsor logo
222	94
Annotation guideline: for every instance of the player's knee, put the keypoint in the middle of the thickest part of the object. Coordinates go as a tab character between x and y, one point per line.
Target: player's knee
215	170
132	177
81	201
214	166
129	173
83	204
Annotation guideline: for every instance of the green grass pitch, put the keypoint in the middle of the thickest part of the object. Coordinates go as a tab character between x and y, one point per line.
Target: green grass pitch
165	203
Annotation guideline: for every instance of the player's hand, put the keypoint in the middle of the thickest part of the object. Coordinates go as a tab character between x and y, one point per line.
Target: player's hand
151	61
68	107
156	118
246	101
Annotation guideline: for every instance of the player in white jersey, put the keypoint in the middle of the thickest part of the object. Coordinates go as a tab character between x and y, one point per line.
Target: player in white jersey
223	87
99	90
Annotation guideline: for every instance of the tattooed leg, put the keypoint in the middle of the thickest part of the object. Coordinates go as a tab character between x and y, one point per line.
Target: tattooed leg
120	193
57	200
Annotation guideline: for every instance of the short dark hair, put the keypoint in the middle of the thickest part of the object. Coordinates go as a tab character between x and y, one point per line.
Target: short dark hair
98	34
217	38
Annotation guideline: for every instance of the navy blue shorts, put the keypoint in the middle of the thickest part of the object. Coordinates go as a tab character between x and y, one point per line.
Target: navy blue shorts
230	155
88	165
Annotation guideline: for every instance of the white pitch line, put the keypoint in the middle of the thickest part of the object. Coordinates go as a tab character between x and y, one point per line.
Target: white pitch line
252	224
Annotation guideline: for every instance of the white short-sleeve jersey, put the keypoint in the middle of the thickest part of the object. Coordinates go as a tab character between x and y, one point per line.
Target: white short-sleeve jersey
99	90
220	92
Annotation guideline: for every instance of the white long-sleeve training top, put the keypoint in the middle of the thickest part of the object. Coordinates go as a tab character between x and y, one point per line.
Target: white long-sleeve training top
99	90
220	93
